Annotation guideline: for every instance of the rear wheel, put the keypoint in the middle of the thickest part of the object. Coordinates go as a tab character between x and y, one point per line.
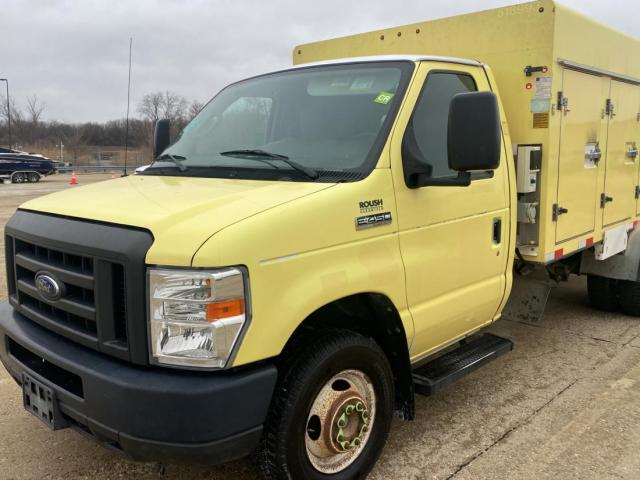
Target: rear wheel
331	411
603	293
19	177
34	177
630	297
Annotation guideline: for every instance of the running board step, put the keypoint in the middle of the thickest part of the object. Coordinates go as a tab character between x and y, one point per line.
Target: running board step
468	357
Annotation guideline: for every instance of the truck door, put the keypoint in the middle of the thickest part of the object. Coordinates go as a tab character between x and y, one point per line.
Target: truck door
618	198
453	240
582	146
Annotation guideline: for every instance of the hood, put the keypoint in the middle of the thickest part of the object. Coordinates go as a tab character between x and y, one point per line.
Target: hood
180	212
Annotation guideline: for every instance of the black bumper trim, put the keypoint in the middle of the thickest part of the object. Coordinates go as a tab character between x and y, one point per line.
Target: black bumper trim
216	452
148	413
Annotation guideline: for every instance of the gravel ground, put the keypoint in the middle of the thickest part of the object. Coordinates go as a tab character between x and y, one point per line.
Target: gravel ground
564	404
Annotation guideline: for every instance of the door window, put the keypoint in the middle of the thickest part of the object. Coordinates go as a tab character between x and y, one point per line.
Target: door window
425	140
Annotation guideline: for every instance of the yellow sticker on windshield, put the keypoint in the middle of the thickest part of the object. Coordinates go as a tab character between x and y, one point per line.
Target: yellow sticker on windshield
383	98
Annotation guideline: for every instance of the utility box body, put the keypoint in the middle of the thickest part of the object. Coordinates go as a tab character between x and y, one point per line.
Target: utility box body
570	87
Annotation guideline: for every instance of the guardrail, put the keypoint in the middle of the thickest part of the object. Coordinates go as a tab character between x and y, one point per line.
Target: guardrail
96	168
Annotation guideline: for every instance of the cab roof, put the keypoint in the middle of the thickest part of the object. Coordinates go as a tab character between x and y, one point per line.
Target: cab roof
388	58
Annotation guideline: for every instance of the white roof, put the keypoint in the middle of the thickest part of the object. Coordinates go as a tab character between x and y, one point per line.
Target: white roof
391	58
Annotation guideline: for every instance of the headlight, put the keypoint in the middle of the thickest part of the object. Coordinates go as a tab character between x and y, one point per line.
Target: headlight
195	316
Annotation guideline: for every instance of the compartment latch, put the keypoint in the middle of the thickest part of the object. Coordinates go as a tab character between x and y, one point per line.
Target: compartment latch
557	210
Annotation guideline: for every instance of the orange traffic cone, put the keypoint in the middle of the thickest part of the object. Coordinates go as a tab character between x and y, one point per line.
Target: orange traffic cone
74	179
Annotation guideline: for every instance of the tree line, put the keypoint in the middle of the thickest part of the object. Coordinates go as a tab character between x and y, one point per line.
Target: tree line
29	131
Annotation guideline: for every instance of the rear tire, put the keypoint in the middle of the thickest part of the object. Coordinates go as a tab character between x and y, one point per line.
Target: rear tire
603	293
18	178
630	298
34	177
300	431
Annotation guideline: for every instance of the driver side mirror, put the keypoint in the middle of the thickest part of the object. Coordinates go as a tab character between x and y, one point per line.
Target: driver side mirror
161	136
473	135
474	141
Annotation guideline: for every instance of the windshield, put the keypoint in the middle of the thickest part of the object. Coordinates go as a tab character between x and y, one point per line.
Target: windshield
325	123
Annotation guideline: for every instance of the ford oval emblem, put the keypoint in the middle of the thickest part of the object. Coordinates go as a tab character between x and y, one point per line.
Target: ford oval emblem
49	287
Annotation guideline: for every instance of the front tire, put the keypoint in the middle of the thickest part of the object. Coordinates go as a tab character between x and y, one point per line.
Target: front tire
331	412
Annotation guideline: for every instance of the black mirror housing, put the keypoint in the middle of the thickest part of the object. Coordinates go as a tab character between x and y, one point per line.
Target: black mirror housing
161	137
474	135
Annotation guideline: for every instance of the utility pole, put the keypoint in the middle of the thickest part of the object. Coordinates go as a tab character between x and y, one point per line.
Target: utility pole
6	80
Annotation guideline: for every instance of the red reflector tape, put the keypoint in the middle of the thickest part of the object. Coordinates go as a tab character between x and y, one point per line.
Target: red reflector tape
558	253
589	242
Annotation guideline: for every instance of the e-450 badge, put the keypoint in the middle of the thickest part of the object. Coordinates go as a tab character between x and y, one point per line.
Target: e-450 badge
374	220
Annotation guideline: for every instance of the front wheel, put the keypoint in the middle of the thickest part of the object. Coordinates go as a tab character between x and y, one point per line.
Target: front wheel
19	178
331	411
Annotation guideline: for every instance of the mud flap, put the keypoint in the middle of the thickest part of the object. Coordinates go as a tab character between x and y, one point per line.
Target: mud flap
529	296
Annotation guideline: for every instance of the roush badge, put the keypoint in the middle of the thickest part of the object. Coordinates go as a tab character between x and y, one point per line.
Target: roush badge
375	220
371	205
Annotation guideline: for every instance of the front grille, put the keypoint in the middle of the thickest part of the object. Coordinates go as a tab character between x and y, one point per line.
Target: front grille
101	269
75	314
118	290
77	309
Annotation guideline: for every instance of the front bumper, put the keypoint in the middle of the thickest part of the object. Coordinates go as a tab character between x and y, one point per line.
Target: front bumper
146	413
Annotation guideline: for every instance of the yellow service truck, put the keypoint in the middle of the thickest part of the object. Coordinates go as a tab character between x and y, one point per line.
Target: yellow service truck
323	242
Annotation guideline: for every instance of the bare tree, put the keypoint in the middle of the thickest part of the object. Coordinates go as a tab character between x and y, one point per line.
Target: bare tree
16	114
195	108
35	109
174	106
17	120
154	106
150	107
74	141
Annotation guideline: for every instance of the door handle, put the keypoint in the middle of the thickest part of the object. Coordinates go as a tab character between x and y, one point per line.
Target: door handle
497	231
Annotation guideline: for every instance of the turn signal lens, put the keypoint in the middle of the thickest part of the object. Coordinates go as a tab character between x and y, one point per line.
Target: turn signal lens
226	309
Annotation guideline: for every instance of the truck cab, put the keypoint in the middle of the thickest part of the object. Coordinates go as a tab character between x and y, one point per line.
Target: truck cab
275	279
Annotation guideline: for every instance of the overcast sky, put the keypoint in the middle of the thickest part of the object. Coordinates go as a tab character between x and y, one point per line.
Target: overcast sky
73	54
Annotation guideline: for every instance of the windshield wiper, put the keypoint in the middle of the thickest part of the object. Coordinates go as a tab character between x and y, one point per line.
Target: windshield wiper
175	159
261	155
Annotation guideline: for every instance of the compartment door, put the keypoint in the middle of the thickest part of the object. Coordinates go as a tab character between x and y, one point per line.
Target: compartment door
580	139
618	200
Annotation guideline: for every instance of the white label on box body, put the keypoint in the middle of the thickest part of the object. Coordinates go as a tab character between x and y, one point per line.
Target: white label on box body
542	88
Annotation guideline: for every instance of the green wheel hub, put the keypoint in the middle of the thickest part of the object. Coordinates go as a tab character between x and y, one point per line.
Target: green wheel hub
361	416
